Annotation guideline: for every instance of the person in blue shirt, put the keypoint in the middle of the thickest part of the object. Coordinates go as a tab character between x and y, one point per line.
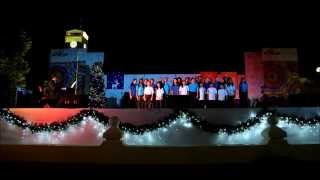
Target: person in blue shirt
243	92
166	87
193	89
175	88
217	83
133	93
207	83
140	94
153	84
231	91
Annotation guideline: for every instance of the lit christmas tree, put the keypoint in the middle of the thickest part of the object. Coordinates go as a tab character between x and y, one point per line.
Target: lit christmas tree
96	88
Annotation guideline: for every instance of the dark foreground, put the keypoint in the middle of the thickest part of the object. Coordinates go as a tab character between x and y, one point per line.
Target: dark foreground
268	167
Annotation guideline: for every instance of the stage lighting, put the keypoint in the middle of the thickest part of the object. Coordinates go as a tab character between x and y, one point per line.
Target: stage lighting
318	69
73	44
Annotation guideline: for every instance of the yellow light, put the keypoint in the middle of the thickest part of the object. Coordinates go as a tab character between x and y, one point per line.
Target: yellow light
69	39
85	35
73	44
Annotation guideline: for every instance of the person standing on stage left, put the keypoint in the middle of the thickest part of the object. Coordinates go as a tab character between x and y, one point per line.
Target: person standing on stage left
159	95
184	89
145	82
207	83
201	94
243	92
166	88
174	88
231	90
154	86
133	93
193	89
184	92
140	94
212	95
148	95
222	95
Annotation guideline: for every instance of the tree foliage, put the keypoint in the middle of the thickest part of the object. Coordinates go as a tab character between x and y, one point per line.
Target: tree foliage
13	63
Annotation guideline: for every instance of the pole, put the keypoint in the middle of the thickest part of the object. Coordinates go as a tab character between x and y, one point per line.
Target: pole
16	98
77	71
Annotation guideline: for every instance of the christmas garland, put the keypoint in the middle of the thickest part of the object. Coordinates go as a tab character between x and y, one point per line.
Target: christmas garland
229	129
55	126
128	127
195	121
299	120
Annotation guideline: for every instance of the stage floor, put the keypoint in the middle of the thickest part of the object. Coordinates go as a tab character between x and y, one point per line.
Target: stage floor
90	131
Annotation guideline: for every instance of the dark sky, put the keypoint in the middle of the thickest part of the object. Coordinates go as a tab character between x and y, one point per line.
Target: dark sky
170	42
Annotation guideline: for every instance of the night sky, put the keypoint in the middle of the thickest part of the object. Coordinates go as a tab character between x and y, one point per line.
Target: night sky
168	42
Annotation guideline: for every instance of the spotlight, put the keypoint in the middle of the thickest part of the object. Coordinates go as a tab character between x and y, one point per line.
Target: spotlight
318	69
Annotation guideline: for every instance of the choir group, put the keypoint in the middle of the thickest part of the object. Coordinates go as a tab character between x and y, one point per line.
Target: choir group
145	93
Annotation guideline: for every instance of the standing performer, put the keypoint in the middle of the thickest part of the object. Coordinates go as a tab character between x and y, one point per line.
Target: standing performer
166	88
140	94
154	86
159	95
193	90
175	87
201	94
133	93
222	95
231	90
148	95
184	89
243	92
184	99
212	94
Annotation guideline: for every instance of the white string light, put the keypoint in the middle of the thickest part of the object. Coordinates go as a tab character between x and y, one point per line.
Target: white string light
179	132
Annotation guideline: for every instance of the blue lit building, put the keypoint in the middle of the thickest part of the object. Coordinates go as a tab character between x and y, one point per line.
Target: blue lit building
71	65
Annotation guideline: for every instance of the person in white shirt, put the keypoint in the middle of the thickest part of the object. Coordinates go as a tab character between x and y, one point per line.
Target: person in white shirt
212	93
201	92
148	95
183	89
201	95
159	95
222	94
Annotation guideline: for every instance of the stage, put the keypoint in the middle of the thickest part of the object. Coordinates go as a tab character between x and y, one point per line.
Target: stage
182	131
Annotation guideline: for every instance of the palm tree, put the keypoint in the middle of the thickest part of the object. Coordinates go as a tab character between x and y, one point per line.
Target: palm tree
14	66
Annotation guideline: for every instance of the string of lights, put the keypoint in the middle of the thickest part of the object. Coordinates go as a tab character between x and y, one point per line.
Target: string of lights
301	121
14	119
193	120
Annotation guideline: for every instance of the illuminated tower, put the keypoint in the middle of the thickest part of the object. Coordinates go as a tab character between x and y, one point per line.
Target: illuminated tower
71	65
76	38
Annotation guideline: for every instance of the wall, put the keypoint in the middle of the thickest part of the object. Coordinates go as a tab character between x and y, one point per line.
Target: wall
254	74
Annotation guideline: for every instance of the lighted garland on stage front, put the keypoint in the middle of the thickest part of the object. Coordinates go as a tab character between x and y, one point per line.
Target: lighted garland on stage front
229	129
300	121
55	126
194	119
128	127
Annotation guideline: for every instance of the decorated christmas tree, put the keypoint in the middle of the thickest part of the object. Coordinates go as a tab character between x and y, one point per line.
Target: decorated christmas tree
96	88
